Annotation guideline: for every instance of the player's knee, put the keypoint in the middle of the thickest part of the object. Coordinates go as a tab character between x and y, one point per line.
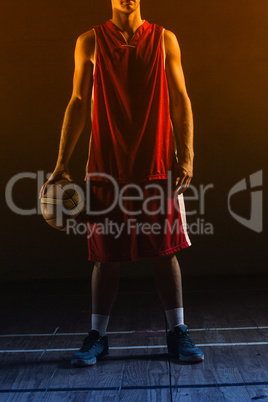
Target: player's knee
164	260
107	265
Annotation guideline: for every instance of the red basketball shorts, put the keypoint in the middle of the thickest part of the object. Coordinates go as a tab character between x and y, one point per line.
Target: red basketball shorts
134	221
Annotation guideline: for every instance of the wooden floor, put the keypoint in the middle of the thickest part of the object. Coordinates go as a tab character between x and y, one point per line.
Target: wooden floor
42	324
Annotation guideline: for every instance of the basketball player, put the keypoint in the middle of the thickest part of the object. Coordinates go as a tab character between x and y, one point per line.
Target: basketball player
142	129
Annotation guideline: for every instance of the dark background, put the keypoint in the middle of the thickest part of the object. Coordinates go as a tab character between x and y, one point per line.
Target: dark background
225	61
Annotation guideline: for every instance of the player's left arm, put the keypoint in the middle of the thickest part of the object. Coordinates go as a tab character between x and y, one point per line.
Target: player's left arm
180	112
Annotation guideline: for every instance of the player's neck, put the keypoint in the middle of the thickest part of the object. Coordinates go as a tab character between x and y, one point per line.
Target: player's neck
127	23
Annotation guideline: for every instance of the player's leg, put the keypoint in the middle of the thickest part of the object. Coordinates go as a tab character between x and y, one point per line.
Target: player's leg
169	288
104	284
168	281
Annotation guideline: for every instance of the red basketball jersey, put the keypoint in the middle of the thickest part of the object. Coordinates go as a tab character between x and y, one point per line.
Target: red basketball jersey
132	137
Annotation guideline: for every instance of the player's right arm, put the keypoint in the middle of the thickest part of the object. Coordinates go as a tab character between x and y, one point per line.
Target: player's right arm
78	107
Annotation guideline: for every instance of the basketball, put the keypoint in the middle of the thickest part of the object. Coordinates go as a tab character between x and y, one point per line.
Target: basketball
63	200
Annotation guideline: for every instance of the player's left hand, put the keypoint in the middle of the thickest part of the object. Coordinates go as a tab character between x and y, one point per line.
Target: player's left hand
182	176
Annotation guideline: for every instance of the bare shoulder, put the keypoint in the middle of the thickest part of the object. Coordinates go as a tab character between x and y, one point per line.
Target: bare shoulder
171	42
85	45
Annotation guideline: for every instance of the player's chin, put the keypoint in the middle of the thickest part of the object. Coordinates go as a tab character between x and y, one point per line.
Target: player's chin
128	8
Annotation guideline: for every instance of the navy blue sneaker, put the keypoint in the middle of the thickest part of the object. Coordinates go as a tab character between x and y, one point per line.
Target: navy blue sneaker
180	345
93	347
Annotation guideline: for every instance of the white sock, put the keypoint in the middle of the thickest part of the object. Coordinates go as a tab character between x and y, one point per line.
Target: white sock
99	323
175	317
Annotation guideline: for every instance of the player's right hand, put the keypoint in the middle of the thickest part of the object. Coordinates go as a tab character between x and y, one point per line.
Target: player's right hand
58	174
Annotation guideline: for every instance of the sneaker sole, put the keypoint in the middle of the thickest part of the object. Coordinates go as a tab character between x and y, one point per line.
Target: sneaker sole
190	359
85	363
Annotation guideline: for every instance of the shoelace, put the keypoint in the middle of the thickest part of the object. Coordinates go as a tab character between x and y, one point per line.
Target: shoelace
88	342
185	339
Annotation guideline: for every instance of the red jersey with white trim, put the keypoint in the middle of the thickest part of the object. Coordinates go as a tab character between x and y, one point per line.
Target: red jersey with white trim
132	138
